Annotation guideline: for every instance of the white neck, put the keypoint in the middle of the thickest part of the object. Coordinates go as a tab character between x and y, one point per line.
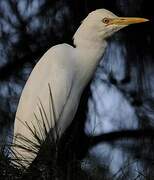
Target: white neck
89	53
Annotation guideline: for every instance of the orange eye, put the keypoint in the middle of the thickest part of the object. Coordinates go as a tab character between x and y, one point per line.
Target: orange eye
106	20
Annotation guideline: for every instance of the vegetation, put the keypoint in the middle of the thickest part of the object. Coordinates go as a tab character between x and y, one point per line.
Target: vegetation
27	30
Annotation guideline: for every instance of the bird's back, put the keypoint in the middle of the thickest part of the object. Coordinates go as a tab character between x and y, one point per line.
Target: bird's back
55	71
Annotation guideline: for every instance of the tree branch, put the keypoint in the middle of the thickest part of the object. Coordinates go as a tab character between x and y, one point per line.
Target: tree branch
120	135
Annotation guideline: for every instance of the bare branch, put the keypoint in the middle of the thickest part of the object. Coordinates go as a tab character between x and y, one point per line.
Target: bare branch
121	135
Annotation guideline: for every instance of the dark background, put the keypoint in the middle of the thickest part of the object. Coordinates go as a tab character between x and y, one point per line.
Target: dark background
29	28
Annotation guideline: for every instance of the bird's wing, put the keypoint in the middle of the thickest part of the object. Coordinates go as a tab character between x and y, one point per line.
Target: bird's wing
53	75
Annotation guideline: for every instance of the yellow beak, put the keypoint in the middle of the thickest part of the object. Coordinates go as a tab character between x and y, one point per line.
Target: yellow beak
127	21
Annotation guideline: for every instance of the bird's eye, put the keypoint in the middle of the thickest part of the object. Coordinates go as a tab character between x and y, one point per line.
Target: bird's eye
106	20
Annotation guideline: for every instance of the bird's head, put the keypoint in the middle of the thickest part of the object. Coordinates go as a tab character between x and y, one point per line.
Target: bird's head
101	24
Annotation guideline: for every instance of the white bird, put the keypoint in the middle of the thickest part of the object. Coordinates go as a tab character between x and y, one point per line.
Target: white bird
67	70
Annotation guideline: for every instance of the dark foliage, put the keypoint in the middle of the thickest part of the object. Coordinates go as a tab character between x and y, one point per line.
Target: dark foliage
27	30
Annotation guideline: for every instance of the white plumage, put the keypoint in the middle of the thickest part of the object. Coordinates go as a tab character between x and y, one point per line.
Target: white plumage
67	71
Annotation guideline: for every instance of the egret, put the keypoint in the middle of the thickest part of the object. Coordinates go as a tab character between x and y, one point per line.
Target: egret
66	70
